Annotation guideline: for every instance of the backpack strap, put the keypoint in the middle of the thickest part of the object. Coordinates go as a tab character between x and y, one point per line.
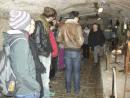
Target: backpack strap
7	50
7	47
17	40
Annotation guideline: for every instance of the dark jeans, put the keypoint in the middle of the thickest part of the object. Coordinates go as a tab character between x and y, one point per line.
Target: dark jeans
39	79
72	63
114	42
85	51
53	67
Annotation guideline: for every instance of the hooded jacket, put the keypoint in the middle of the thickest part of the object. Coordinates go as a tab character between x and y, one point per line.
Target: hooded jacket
96	38
22	63
71	35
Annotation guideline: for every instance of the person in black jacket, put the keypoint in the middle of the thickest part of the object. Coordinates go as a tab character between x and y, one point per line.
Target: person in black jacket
96	41
44	47
40	45
40	69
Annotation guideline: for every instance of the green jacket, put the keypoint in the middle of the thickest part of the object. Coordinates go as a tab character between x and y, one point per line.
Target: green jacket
22	64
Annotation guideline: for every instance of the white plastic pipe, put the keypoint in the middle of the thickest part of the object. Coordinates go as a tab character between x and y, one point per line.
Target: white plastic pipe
115	88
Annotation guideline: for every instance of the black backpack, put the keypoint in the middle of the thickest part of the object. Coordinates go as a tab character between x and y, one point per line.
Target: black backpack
42	39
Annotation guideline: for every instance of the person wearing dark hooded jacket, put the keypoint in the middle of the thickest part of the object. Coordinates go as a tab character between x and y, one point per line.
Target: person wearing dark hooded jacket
96	41
40	69
48	15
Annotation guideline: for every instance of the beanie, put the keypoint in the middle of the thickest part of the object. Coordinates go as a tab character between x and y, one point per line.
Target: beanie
19	19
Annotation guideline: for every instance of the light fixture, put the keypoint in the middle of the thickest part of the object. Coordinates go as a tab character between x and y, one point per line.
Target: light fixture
125	26
125	23
116	27
100	10
99	18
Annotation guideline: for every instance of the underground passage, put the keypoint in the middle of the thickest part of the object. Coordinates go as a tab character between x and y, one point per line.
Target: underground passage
64	48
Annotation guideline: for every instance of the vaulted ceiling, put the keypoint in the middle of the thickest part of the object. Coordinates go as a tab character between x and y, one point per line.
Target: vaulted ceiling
87	8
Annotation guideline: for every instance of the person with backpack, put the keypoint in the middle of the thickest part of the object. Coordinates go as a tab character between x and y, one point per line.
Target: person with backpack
45	48
21	59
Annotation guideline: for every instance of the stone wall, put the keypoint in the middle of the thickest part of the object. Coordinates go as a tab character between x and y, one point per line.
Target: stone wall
3	28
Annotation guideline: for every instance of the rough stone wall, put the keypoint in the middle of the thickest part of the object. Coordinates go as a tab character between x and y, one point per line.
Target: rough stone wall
3	28
85	7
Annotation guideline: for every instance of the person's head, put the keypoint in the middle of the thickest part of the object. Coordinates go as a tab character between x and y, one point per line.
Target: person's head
21	20
74	15
49	13
95	27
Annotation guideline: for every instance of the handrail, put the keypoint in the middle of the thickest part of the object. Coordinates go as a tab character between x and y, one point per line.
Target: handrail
114	88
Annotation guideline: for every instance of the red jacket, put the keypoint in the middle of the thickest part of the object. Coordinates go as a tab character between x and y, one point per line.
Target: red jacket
53	44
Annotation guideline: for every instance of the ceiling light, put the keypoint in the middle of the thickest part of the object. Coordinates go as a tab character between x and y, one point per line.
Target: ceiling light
125	26
116	27
100	10
99	19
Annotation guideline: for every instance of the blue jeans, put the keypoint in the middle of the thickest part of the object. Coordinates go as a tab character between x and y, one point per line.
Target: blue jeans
72	63
46	61
28	96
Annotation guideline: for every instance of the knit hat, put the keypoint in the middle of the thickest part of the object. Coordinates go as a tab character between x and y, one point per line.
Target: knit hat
19	19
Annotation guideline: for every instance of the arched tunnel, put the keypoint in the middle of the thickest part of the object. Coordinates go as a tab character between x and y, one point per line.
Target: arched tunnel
111	15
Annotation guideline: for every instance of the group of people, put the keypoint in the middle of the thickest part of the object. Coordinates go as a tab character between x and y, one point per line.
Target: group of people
33	46
37	44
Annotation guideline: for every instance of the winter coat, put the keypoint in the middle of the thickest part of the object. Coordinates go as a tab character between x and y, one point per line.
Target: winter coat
96	38
71	35
42	39
22	63
39	66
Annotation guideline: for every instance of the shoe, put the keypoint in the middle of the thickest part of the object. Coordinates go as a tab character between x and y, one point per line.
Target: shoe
68	93
95	64
77	93
52	94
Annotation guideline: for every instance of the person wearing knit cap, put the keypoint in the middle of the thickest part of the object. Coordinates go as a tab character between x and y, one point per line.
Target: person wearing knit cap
19	20
20	54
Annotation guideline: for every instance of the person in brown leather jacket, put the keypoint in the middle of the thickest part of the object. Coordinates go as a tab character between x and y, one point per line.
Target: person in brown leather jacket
71	37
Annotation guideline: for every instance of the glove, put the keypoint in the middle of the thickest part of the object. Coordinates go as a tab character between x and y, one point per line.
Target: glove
40	68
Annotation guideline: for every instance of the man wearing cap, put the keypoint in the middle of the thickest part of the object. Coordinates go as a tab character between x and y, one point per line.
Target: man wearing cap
20	54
